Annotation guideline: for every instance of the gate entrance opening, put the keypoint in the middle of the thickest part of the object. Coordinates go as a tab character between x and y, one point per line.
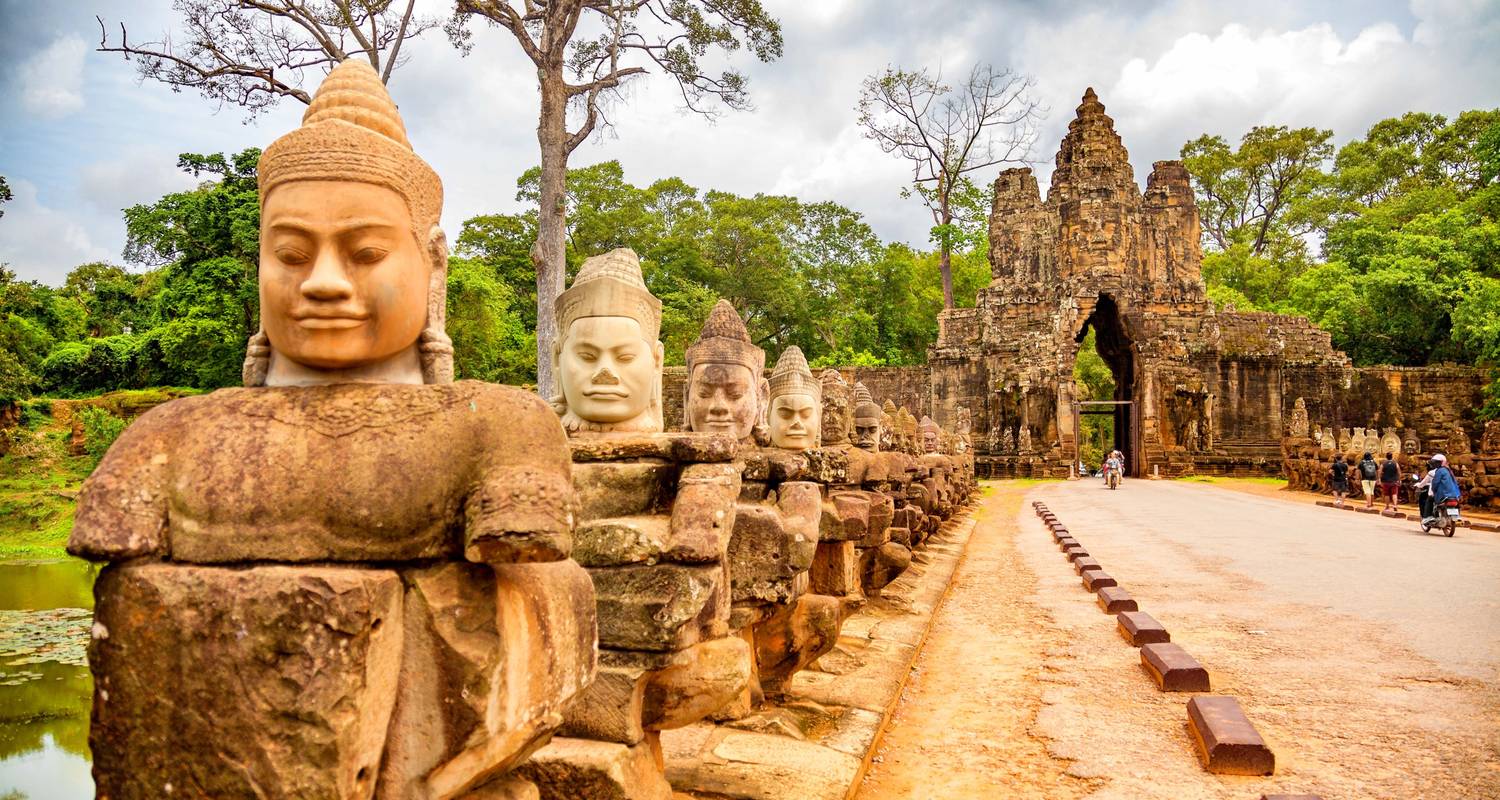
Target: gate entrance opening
1116	350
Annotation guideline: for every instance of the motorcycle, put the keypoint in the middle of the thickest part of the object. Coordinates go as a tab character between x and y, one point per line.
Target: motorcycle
1445	517
1113	479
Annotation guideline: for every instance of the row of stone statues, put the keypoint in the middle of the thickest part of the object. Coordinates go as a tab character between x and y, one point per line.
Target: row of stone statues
356	578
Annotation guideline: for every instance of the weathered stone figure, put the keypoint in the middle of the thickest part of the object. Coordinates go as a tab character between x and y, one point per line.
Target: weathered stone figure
931	435
889	436
725	390
796	403
867	429
1299	425
325	577
838	408
607	357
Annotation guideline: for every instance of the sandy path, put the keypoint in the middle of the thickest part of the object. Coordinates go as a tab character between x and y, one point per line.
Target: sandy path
1366	654
963	727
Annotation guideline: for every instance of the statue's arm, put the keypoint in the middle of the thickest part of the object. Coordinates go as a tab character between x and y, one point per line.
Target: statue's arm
122	508
522	507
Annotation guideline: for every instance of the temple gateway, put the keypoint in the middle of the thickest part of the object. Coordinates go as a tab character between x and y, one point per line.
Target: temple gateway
1196	389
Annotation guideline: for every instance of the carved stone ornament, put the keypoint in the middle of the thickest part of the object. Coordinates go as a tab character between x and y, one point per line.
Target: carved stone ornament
867	416
725	390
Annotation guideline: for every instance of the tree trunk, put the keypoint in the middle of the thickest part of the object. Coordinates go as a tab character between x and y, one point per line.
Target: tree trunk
945	260
549	252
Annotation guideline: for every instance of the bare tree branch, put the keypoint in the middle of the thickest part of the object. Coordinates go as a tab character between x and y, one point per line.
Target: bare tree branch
253	53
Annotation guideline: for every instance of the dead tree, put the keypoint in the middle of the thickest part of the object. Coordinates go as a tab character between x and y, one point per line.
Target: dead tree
584	51
253	53
946	132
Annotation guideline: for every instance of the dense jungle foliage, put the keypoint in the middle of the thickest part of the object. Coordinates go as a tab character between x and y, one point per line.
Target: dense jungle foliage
1391	243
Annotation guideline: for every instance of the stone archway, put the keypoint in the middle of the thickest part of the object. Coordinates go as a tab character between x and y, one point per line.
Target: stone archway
1113	342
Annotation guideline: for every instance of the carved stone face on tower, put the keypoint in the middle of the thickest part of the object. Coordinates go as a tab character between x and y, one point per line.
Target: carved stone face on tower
796	403
866	420
725	392
607	356
352	263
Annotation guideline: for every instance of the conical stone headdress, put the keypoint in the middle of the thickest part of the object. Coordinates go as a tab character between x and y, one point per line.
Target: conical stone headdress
928	425
791	375
724	340
610	285
352	131
864	404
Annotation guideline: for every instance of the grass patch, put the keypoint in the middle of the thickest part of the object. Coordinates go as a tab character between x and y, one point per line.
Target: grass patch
1221	479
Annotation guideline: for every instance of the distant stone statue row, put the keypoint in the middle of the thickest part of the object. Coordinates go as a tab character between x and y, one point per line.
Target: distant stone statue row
355	577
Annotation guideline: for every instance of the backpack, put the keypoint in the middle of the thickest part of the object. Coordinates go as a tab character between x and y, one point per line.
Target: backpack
1389	472
1368	470
1340	470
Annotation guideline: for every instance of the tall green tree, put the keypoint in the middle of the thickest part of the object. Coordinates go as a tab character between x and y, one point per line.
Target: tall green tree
1255	195
584	51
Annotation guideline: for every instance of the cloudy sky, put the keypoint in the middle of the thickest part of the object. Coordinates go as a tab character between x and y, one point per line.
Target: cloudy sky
81	139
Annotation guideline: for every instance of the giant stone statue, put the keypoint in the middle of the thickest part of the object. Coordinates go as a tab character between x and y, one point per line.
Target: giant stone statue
796	403
350	578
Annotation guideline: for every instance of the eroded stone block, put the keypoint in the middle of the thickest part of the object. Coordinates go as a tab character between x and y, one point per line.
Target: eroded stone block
273	681
579	769
660	607
1173	668
835	570
1113	600
1140	628
699	681
794	636
622	488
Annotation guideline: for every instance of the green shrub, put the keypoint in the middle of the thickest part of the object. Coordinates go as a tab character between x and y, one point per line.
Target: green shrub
100	429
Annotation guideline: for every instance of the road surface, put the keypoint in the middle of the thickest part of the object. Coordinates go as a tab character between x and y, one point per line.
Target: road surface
1367	654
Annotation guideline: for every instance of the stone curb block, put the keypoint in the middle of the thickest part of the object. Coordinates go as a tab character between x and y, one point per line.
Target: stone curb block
1173	668
1327	504
1086	562
1096	579
1140	628
1291	797
1067	541
1113	600
1075	552
1227	743
1368	510
1393	514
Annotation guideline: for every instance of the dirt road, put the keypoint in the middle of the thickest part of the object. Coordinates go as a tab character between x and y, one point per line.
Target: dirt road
1367	655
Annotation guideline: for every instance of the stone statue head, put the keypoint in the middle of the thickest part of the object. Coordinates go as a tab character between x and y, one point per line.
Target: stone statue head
796	403
838	408
726	391
931	435
353	265
867	430
965	422
906	427
607	357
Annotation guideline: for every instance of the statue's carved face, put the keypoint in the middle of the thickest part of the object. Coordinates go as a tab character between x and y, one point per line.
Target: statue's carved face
607	369
723	398
867	433
794	421
836	415
343	282
930	443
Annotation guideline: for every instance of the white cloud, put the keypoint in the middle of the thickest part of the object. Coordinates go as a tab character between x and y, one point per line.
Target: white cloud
43	243
52	80
141	173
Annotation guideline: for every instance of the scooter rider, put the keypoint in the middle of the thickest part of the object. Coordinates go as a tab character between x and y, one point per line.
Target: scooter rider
1423	488
1444	486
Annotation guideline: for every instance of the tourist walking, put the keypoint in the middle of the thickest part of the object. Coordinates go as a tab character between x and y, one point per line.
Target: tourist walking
1368	472
1390	481
1340	482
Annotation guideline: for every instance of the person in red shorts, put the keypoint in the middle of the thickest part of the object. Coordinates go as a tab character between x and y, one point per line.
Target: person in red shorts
1390	481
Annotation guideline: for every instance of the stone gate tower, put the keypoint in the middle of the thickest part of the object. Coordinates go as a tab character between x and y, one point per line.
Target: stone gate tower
1199	390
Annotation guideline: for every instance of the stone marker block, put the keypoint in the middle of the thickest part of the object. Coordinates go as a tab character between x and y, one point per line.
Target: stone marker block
1327	504
1096	579
1291	797
1364	510
1113	600
1173	668
1393	514
1061	533
1140	628
1067	541
1084	563
1227	743
1075	552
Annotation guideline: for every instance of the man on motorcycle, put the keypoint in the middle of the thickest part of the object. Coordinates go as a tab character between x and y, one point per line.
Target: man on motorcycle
1444	486
1114	467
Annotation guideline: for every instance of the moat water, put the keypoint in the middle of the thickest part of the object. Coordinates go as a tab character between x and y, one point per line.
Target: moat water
46	610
